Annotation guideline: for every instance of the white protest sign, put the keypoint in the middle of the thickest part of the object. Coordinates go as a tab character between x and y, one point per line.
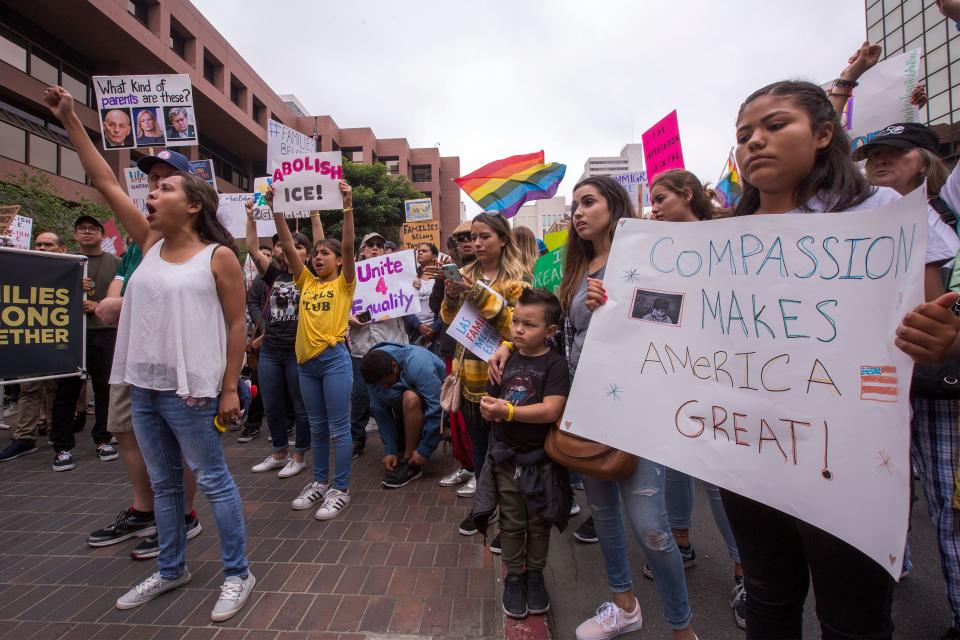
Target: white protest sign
636	185
284	141
757	353
474	332
232	214
20	231
146	111
308	182
137	187
385	286
883	97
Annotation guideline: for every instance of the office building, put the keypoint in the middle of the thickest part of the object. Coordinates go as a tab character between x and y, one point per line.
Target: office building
629	160
541	215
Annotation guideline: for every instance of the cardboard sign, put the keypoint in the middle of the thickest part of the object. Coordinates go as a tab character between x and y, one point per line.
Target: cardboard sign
548	270
7	214
308	182
661	146
232	214
474	332
112	242
146	111
385	286
137	187
204	169
883	97
417	210
416	233
757	353
636	185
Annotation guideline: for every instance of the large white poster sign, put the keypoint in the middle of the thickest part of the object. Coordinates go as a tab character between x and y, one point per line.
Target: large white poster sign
20	231
385	286
883	97
232	214
308	182
284	141
146	111
137	187
757	353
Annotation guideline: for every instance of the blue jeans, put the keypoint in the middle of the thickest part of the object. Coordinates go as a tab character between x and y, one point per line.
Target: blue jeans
169	430
680	488
326	382
279	376
643	499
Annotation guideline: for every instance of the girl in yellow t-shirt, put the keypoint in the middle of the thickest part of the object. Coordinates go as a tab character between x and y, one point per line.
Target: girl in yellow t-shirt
326	372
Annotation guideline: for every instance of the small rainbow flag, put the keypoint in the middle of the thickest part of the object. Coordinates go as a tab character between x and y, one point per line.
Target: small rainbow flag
729	187
505	185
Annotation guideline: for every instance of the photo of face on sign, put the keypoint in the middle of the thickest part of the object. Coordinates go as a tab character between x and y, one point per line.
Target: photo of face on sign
148	128
180	123
657	306
117	128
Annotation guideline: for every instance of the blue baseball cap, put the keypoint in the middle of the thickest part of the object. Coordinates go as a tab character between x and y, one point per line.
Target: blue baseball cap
176	160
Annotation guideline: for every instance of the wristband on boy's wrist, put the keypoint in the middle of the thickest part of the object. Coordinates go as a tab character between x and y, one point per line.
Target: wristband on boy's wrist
508	345
510	409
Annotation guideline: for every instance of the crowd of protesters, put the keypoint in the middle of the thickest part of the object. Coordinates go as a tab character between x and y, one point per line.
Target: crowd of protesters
174	336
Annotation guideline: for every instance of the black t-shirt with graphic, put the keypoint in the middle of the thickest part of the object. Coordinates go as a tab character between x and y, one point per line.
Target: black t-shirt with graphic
282	310
528	380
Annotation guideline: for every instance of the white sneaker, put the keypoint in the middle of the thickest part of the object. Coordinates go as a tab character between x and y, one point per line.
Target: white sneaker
467	490
150	589
574	508
310	495
292	468
335	502
233	595
456	478
9	410
610	622
269	464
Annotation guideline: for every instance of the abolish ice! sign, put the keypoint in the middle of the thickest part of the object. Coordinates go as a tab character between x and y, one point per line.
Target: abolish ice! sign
308	182
757	353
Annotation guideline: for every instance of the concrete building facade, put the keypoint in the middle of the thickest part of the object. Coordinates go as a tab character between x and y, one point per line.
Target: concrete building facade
41	43
629	160
540	215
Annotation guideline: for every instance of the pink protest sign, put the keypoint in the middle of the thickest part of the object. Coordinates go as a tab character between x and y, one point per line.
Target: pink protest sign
661	146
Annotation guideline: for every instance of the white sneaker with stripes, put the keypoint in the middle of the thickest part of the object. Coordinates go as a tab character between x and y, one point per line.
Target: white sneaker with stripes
334	502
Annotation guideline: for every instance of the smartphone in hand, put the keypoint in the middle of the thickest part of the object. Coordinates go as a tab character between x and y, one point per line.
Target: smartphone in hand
452	272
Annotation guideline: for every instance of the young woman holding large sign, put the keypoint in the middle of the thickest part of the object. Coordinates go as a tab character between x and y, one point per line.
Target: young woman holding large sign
180	345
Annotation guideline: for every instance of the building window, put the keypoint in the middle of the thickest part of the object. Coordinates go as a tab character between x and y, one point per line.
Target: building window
13	50
43	67
13	142
893	42
76	83
422	173
938	105
238	93
179	37
140	10
874	14
353	154
913	28
911	8
392	164
935	60
212	69
70	166
42	153
259	112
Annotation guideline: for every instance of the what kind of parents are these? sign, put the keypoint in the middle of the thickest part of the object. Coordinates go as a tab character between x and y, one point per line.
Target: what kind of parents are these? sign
146	111
757	353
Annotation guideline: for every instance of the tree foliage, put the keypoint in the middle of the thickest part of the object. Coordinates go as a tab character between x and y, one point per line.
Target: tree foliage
33	192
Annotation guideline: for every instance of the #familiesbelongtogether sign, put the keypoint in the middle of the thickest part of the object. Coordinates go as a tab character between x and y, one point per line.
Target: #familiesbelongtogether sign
307	182
474	331
385	286
757	353
146	111
883	97
284	141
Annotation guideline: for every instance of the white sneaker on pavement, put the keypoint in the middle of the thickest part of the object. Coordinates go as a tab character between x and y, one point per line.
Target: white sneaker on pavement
269	464
456	478
334	502
233	595
150	589
610	622
470	488
292	468
310	495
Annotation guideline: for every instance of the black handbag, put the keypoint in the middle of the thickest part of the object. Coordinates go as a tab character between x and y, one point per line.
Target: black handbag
936	382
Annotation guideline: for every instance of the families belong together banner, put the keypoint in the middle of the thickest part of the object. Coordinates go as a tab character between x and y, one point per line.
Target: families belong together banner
146	111
757	353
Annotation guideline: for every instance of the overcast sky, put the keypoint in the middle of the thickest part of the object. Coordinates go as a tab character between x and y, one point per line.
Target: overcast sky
577	79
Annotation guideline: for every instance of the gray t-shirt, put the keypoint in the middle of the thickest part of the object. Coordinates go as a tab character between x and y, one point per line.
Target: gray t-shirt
579	317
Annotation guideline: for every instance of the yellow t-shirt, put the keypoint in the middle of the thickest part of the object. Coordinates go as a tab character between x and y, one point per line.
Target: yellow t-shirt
324	311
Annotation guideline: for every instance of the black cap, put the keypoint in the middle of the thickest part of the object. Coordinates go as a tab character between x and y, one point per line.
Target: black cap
85	218
903	135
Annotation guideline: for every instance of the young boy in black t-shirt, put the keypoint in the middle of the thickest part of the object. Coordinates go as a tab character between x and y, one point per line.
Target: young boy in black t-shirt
523	407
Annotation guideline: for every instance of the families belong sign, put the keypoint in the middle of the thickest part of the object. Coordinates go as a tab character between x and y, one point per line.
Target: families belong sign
308	182
757	353
416	233
284	141
883	97
661	146
385	286
146	111
419	209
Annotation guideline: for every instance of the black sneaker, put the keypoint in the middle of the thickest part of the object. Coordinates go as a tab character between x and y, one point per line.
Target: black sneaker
586	532
150	547
738	602
495	546
358	449
107	452
538	601
17	448
515	596
129	524
467	528
404	474
688	554
63	461
248	433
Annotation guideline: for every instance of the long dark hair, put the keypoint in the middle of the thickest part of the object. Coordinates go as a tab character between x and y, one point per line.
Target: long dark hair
835	177
579	251
211	230
678	181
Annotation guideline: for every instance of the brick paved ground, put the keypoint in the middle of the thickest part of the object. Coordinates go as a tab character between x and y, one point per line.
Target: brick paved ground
392	566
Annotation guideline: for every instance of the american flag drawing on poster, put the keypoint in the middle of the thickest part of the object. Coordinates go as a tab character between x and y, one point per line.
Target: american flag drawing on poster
878	384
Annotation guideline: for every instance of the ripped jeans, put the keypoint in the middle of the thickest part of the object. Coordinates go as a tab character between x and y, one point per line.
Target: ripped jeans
644	501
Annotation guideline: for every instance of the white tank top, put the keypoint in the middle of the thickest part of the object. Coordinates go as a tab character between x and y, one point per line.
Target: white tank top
172	335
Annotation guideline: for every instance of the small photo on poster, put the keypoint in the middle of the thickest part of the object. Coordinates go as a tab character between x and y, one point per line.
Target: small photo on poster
148	127
181	124
117	128
662	307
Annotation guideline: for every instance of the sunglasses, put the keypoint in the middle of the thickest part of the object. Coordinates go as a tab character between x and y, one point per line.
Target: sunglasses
374	244
464	237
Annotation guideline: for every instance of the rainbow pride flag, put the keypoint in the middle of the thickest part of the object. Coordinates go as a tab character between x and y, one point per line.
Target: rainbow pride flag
729	187
505	185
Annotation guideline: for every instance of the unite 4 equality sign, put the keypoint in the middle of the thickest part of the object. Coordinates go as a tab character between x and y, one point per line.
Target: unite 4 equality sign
757	353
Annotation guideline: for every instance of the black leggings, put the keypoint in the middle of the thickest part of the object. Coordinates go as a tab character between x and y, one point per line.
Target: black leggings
479	430
780	553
